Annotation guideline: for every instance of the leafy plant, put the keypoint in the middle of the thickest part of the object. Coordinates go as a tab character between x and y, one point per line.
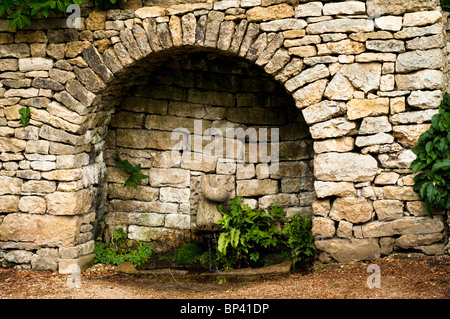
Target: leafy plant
445	4
187	254
21	11
121	249
245	232
25	116
132	170
300	238
433	161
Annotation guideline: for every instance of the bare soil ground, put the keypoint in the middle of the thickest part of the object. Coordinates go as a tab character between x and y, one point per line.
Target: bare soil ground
402	278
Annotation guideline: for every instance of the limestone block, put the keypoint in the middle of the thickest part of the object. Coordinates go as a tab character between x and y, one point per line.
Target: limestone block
332	128
257	187
425	99
346	167
400	193
359	108
270	13
421	80
280	200
373	125
340	88
342	47
388	209
341	26
352	209
309	75
408	135
401	159
169	177
323	227
417	60
9	204
33	204
341	189
283	24
421	18
397	7
310	94
345	251
344	8
390	23
417	117
363	76
68	203
311	9
174	195
178	221
379	138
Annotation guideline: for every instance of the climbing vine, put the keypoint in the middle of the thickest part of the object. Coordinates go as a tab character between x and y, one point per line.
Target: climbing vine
433	161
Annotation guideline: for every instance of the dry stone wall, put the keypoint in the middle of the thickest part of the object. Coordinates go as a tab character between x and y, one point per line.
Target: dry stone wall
366	75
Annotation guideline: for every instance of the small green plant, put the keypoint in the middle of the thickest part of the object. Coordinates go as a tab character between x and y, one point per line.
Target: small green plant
433	161
132	170
300	239
25	116
187	254
120	249
246	232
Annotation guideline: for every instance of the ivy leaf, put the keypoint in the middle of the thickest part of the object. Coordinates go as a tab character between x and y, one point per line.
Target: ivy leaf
443	165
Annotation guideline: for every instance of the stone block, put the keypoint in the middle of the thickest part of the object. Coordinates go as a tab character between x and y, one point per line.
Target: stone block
69	203
347	167
346	251
359	108
341	189
352	209
260	187
270	13
323	227
169	177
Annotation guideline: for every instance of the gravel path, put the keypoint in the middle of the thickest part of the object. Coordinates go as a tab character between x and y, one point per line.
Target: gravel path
404	278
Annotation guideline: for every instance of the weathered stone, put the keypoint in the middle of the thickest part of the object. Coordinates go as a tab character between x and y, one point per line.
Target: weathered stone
323	227
342	47
388	209
281	25
363	76
67	203
358	108
309	75
341	189
390	23
400	159
341	145
33	205
417	117
421	18
379	138
403	226
412	240
400	193
353	209
346	251
323	111
421	80
310	94
275	12
311	9
348	7
417	60
256	187
397	7
408	135
425	99
332	128
178	221
188	25
348	167
373	125
9	204
341	26
169	177
212	28
340	88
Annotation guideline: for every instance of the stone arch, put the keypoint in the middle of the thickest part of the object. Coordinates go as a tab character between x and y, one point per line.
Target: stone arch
367	76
